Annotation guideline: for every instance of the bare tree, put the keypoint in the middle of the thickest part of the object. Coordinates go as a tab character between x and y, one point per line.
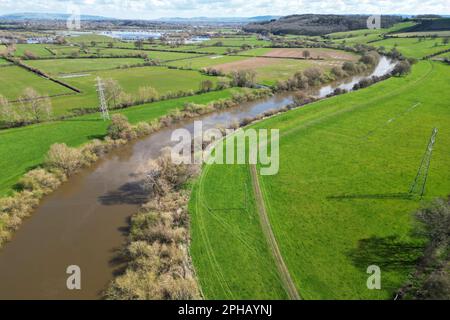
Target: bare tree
7	113
139	44
34	107
29	55
243	78
306	54
112	91
206	86
402	68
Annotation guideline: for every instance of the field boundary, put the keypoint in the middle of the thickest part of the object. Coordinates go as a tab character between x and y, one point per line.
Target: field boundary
42	74
285	276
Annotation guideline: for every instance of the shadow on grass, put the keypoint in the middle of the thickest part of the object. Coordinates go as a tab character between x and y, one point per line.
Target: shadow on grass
401	196
389	253
97	136
129	193
83	120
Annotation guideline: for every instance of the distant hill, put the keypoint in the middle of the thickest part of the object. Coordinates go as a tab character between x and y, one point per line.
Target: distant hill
28	16
218	20
426	24
317	24
48	16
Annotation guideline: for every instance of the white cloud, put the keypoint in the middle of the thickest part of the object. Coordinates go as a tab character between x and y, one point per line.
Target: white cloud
147	9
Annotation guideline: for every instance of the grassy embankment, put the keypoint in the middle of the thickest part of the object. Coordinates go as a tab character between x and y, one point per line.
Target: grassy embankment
339	202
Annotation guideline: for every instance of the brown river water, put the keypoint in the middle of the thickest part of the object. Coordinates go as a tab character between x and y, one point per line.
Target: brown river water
85	221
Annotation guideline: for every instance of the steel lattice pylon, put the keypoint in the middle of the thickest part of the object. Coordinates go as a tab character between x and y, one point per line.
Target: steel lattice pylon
418	186
101	97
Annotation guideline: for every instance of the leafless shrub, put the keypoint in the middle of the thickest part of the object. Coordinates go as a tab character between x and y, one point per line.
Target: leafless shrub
120	128
234	125
7	112
112	90
34	107
313	75
60	156
148	94
164	174
243	78
29	55
40	180
245	121
143	128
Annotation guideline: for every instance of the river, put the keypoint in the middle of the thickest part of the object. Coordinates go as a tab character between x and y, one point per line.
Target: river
85	221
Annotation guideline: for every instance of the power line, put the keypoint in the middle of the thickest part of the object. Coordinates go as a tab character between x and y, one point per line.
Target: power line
101	97
418	186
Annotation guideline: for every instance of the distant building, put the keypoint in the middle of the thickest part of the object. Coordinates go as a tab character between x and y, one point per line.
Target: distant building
37	40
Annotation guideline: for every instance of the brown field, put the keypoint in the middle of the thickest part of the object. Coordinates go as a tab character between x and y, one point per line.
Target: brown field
247	64
316	53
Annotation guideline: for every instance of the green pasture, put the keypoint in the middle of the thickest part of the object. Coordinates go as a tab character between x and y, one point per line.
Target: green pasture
230	254
413	47
14	79
206	61
238	41
65	66
340	201
38	50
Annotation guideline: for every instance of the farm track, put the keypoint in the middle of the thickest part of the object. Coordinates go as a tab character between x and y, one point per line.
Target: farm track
288	283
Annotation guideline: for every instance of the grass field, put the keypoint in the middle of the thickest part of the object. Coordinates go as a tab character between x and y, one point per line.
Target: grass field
443	56
424	34
334	217
238	41
25	148
4	62
87	38
204	62
412	47
162	79
14	79
37	49
65	66
157	55
366	35
224	221
131	79
256	52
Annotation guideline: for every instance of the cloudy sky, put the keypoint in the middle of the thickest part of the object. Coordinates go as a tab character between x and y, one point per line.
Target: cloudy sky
150	9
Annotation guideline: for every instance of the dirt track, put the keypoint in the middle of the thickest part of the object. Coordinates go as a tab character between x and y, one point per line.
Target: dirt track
270	237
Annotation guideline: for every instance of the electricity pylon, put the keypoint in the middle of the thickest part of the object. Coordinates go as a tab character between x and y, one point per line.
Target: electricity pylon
418	186
101	97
